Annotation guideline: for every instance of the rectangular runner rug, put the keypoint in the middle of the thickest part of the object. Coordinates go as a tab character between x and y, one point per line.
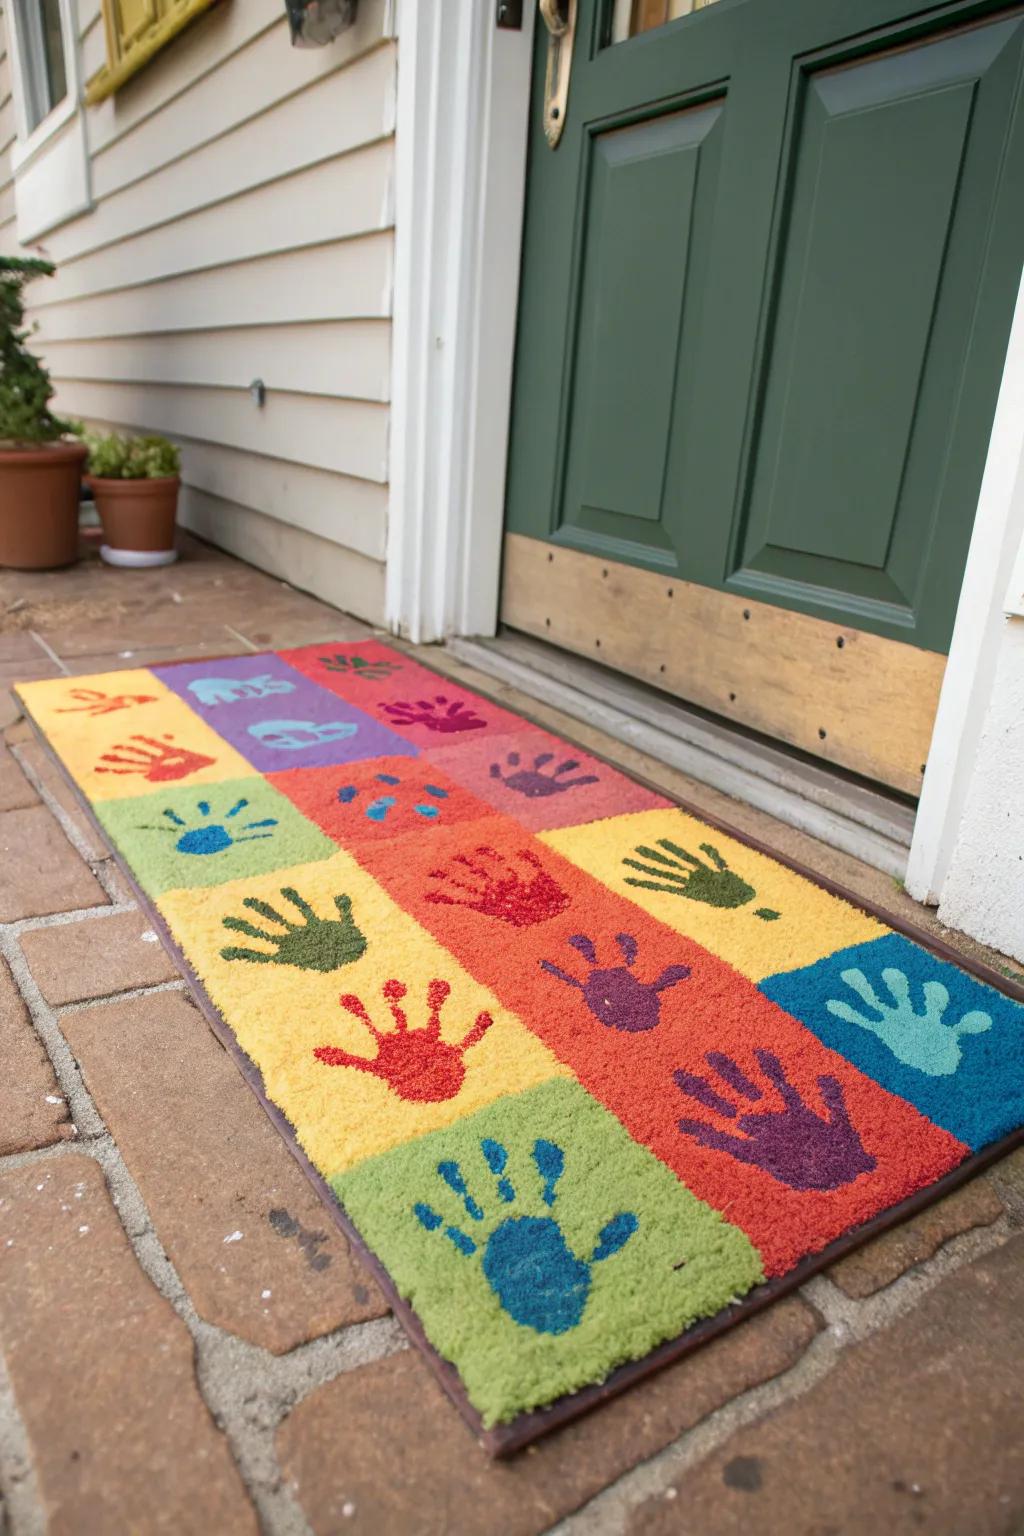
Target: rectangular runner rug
585	1077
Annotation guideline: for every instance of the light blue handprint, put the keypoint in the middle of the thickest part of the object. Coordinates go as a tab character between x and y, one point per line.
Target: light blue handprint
294	735
226	690
921	1040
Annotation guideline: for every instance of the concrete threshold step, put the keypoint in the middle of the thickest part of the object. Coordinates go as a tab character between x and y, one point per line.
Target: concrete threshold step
846	814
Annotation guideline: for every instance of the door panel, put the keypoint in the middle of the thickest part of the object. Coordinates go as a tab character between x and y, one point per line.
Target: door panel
850	448
768	276
644	236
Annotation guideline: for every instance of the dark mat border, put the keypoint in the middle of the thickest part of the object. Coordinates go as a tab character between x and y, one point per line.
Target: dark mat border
504	1440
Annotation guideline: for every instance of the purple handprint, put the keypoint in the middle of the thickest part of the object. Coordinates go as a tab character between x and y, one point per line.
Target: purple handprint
613	994
534	783
436	714
795	1145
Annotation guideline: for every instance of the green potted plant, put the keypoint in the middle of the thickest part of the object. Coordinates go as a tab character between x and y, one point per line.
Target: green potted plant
40	471
135	481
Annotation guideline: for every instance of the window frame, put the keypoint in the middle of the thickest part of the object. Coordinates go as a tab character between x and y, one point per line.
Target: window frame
30	140
50	163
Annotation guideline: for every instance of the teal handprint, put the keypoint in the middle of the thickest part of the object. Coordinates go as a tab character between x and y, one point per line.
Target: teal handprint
920	1040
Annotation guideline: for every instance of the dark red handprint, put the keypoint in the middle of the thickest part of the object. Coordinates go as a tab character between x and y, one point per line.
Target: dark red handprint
436	714
153	760
794	1144
489	882
415	1063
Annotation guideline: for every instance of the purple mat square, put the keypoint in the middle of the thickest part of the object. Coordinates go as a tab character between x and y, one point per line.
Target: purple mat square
277	718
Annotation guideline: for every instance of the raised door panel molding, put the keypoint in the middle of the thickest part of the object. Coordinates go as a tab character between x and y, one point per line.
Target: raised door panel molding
135	31
639	249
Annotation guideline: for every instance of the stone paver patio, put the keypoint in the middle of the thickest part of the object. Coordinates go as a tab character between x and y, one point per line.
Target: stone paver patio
187	1346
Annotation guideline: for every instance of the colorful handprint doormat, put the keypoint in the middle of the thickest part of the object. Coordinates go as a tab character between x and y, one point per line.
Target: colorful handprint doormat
585	1077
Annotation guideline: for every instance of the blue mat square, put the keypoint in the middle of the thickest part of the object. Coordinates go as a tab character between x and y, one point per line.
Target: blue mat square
951	1046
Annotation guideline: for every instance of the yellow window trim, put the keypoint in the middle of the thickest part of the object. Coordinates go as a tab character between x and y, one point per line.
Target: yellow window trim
126	55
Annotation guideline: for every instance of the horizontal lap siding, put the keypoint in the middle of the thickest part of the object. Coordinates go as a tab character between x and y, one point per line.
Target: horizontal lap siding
241	230
8	239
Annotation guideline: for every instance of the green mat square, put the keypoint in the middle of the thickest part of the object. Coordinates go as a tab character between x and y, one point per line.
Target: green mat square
541	1246
210	833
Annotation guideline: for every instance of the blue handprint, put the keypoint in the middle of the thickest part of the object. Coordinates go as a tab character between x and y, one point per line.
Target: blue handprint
213	836
528	1264
378	808
227	690
920	1040
294	735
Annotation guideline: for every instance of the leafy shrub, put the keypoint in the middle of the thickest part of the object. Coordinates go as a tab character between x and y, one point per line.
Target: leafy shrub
131	458
25	387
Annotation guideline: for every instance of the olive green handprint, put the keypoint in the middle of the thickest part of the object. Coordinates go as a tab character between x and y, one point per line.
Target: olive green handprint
315	944
680	873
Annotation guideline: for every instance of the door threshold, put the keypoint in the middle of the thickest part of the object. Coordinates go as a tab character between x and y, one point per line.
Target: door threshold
854	817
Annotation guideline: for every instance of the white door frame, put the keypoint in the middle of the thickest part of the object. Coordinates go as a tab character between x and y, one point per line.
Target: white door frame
462	117
985	599
460	180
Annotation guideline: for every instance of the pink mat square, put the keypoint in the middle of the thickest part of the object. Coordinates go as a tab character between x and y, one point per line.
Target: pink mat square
540	781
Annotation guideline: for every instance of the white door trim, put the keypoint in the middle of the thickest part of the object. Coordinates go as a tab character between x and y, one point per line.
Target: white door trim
460	180
980	618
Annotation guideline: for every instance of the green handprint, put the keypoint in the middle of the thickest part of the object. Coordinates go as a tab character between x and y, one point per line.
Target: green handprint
316	944
683	874
919	1040
370	668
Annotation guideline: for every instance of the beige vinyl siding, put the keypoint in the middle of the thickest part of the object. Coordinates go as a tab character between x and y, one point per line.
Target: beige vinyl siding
241	228
8	238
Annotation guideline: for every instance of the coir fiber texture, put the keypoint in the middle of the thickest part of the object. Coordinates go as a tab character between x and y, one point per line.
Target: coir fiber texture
581	1071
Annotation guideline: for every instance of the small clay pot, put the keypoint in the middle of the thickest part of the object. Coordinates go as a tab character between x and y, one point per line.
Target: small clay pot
138	518
39	488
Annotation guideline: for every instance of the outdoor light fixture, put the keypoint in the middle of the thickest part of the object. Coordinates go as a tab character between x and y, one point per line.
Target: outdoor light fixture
316	22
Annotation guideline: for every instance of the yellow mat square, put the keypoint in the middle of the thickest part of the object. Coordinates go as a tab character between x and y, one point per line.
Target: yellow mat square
300	939
125	733
746	908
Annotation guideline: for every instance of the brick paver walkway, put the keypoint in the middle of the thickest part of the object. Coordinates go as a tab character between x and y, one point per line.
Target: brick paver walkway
186	1345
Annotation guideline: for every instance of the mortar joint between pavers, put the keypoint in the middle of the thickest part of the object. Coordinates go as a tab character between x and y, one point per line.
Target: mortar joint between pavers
18	1484
109	876
63	919
275	1383
852	1319
85	1117
608	1511
57	811
48	650
240	638
847	1322
126	996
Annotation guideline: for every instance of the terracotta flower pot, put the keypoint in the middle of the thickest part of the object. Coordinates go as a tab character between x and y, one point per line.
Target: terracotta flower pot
39	488
138	518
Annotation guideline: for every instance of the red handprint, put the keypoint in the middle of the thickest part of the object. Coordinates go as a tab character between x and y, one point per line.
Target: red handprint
498	889
153	760
91	701
415	1063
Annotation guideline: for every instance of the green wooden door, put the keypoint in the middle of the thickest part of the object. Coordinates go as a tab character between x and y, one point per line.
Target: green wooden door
768	277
